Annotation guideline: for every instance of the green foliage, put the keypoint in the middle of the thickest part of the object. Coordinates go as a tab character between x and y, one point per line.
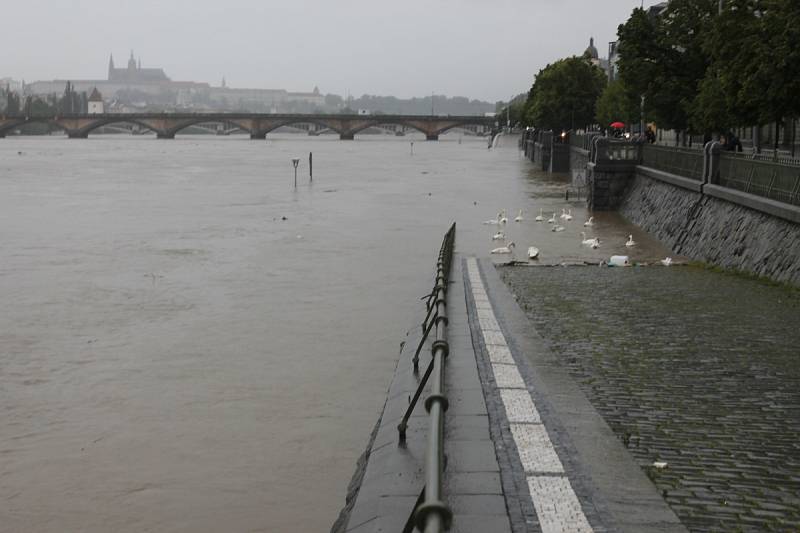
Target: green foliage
13	106
710	71
617	103
663	58
564	95
755	50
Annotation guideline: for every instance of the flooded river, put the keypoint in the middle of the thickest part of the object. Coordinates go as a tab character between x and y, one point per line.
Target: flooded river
189	343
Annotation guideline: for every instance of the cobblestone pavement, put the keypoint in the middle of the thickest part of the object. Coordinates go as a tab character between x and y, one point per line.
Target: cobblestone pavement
693	368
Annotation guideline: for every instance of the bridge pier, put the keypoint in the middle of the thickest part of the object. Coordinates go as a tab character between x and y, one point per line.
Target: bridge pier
431	137
164	135
258	135
346	136
78	134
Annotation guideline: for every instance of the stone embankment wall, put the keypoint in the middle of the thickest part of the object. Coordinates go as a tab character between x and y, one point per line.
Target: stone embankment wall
706	228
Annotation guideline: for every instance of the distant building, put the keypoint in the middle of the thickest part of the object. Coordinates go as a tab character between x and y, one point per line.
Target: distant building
134	73
12	85
613	57
95	102
135	87
591	54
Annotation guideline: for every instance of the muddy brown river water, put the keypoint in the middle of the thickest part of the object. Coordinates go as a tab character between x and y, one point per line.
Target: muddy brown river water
175	356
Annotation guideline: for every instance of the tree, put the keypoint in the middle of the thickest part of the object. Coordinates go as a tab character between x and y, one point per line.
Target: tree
13	106
617	102
663	58
755	71
564	94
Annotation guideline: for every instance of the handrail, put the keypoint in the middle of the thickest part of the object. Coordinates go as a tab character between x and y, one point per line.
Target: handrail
431	514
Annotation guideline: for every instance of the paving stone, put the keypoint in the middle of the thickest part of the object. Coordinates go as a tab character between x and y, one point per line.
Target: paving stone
507	376
535	449
519	406
556	505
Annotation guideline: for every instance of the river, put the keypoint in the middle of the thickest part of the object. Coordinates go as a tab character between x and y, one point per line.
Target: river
189	343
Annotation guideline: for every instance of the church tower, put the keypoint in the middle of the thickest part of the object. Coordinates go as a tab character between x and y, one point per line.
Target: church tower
110	66
131	62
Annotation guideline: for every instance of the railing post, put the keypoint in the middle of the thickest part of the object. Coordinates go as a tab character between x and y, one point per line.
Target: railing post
713	163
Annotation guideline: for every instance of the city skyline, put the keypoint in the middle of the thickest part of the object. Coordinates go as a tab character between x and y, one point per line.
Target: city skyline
352	48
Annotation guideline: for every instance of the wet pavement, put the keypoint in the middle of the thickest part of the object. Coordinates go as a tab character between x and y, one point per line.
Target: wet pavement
692	368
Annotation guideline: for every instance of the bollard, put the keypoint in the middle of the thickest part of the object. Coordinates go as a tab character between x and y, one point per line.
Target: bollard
295	162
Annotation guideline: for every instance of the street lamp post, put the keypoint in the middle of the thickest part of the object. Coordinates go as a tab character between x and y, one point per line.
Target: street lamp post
295	162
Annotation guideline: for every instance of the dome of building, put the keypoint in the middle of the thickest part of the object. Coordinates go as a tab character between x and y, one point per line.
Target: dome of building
591	51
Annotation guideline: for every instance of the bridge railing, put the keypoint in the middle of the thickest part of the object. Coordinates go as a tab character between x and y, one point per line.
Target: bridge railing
430	513
675	160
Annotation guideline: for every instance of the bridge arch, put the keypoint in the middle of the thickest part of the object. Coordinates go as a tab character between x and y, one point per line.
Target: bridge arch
170	131
375	120
458	124
279	123
85	131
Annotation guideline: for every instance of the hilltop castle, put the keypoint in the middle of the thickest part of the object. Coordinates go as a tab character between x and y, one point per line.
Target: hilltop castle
134	73
135	88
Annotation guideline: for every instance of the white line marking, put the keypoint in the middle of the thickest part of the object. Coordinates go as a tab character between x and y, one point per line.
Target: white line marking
556	505
555	501
519	406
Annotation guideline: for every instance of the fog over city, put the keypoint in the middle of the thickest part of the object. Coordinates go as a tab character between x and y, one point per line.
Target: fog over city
478	49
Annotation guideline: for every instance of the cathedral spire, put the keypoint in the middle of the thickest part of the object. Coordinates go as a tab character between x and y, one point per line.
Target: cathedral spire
110	66
131	62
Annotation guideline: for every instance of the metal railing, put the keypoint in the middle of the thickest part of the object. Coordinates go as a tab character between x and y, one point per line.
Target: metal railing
606	149
583	140
770	179
681	161
431	514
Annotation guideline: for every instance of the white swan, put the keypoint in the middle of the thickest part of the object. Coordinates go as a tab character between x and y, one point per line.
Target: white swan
558	228
568	216
667	261
630	242
552	219
533	252
563	213
493	221
498	236
589	223
504	249
501	217
539	217
518	218
587	242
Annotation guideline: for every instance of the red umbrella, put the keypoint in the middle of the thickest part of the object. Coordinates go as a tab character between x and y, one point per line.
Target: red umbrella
617	125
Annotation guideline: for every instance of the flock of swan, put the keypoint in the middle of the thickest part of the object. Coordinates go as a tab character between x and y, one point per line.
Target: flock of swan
557	225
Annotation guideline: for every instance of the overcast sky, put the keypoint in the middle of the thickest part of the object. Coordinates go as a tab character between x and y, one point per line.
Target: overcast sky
486	49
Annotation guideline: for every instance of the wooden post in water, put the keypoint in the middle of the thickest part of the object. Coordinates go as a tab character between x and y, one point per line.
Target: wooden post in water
310	166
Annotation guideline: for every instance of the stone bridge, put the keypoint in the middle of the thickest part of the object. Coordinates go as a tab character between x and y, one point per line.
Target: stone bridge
166	125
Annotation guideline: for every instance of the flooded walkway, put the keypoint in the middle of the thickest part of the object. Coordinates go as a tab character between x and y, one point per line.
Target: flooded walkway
692	368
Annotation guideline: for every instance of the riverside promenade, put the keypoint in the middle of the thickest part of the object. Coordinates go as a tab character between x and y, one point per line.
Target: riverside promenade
525	450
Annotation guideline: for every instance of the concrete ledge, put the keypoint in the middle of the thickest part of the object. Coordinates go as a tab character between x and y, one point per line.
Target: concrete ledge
672	179
759	203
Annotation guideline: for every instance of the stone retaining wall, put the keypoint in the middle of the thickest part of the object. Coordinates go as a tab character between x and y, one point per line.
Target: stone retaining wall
709	229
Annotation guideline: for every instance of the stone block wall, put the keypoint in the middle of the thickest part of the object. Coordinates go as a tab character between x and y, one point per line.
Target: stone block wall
607	185
715	231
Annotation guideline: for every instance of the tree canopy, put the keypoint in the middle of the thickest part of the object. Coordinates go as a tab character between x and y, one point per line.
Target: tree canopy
564	94
662	58
617	103
709	69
